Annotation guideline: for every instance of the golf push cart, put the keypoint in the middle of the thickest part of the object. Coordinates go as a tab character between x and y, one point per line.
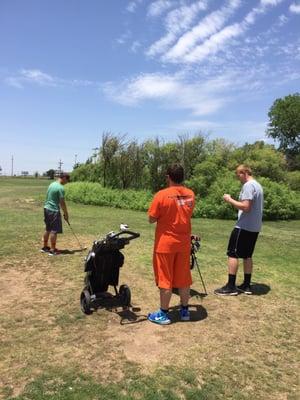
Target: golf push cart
102	265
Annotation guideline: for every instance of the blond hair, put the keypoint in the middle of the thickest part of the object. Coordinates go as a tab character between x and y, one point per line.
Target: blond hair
245	169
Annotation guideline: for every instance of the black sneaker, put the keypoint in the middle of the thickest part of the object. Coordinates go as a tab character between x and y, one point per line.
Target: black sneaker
45	249
54	252
226	291
245	289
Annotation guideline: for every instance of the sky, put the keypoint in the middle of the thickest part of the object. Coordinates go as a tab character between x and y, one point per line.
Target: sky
72	70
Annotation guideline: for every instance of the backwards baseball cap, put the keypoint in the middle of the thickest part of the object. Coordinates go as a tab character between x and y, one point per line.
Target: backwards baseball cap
65	176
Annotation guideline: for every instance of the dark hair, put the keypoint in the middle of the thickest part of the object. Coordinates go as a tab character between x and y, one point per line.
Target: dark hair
176	173
64	175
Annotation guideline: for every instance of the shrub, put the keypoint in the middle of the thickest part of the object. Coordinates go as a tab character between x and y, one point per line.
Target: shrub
213	206
95	194
293	180
280	202
87	172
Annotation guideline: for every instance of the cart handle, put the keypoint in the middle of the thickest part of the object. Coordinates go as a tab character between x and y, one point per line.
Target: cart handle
132	235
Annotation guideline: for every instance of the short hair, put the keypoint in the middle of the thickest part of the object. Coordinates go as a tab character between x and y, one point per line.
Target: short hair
245	169
176	173
64	175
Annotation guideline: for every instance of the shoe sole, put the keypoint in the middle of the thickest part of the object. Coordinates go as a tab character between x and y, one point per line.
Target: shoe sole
44	251
160	322
245	292
185	319
226	294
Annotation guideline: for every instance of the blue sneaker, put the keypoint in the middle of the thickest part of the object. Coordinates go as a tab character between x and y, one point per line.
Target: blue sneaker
185	314
159	317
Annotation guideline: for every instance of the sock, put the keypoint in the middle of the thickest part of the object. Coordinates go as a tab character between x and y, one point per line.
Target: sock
165	311
247	279
231	280
184	307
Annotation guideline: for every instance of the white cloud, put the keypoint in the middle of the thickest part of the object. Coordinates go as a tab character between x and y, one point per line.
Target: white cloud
295	8
135	46
123	38
208	26
37	77
158	7
270	2
214	43
177	21
173	91
132	5
218	41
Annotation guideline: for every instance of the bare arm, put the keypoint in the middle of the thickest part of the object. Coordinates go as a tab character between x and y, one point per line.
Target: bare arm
244	205
64	208
152	220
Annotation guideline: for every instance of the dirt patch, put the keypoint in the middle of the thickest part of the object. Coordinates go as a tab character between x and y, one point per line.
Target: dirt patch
42	325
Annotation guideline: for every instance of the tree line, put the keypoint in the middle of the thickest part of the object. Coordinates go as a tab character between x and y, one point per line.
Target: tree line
129	165
122	167
123	164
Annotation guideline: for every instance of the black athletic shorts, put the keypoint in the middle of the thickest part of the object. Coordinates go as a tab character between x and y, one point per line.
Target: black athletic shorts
53	221
241	243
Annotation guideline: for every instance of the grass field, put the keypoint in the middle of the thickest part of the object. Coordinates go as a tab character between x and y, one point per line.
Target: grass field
244	347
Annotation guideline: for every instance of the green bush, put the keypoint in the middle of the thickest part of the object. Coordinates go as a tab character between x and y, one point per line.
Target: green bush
213	205
95	194
87	173
293	180
280	202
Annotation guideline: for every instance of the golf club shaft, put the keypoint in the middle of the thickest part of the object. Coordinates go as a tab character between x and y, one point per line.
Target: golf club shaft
198	268
81	248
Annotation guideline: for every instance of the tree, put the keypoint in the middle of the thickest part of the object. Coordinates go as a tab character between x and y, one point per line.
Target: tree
50	173
284	124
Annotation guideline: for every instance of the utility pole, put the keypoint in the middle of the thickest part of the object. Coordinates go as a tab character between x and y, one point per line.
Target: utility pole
75	161
95	154
12	165
60	163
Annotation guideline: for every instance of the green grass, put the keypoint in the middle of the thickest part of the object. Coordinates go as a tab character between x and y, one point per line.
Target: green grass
237	348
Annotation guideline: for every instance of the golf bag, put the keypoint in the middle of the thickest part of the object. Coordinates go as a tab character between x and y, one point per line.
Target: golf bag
102	267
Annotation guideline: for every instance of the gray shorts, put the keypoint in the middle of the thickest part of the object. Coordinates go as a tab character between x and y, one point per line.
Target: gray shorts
52	221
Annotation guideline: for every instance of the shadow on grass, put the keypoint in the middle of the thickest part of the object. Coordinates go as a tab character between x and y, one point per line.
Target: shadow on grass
193	293
66	251
197	313
260	289
133	315
114	304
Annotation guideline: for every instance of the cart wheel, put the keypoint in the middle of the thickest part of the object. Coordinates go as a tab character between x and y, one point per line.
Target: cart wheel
125	295
85	302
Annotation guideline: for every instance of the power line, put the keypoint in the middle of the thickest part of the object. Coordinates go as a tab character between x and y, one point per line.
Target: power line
60	163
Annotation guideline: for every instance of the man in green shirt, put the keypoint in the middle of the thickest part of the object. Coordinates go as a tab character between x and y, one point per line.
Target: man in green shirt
55	199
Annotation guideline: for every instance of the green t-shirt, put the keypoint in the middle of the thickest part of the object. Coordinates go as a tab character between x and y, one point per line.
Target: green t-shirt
55	193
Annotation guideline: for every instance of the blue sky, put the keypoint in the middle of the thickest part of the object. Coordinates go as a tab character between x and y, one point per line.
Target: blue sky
71	70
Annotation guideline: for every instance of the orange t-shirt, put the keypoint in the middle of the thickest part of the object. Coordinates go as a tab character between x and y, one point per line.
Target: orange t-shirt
173	208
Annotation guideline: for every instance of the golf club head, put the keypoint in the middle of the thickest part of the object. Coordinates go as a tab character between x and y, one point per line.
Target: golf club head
124	227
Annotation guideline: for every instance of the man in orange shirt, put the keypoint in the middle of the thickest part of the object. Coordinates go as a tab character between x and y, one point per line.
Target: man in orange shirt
172	210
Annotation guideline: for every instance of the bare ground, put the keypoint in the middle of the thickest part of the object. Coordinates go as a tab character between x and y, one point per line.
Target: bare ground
42	326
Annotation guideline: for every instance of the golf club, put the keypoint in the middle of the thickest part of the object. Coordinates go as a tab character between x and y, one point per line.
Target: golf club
195	247
74	234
